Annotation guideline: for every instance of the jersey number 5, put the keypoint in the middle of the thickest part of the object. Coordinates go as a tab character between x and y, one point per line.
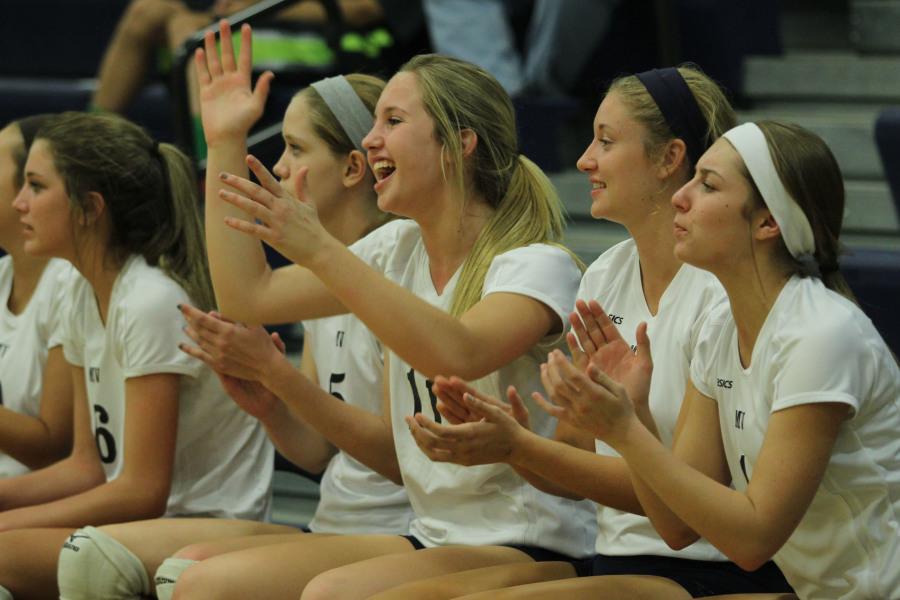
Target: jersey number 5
335	379
106	443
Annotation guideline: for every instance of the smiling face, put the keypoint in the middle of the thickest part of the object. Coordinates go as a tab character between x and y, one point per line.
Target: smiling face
712	221
44	207
403	151
304	148
623	178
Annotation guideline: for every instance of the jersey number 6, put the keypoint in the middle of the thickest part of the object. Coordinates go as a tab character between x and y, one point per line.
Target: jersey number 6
106	443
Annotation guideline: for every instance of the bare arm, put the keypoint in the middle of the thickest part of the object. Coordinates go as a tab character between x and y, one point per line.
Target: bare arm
79	472
748	527
142	489
297	441
697	442
366	437
39	441
254	358
247	289
483	430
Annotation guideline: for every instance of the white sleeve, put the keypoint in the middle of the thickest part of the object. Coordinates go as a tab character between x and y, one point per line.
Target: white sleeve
383	246
69	330
546	273
148	329
59	304
829	363
705	349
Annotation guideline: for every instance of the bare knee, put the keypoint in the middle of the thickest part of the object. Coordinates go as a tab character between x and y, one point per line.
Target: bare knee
330	585
198	552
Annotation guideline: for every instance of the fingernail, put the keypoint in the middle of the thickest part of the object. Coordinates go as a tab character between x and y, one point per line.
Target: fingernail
223	175
178	306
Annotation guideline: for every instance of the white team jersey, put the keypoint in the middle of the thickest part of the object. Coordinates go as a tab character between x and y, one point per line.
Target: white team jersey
489	504
223	459
815	347
614	280
25	339
353	498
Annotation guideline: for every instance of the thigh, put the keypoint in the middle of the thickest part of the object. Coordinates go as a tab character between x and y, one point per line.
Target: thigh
777	596
28	560
155	540
608	587
479	580
369	577
209	549
282	570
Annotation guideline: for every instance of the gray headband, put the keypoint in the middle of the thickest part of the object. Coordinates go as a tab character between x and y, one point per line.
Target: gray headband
347	108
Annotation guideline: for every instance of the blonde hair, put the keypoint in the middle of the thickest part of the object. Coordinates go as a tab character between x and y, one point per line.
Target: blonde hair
150	192
459	95
716	110
326	125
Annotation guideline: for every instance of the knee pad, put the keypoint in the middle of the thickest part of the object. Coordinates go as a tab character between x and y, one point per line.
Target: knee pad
94	566
167	575
4	594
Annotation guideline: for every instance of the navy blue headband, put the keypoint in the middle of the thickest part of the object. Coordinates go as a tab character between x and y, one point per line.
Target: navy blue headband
679	108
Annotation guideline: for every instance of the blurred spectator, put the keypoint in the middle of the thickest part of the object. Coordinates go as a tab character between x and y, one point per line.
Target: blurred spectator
561	36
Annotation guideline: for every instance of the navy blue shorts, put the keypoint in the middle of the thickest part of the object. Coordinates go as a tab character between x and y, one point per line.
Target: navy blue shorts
698	577
536	553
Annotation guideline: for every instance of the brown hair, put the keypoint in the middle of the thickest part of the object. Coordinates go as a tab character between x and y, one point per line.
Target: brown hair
812	177
150	191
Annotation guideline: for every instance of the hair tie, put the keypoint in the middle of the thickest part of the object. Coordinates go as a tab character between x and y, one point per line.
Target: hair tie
347	107
679	108
829	268
750	142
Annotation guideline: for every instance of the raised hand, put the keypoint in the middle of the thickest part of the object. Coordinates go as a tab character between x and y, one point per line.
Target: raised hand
287	223
229	348
589	400
491	439
605	348
229	105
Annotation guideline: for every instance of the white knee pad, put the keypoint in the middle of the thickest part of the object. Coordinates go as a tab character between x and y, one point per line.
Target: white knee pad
94	566
4	594
167	574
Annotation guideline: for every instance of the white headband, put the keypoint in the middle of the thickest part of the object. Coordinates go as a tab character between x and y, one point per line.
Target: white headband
750	143
347	107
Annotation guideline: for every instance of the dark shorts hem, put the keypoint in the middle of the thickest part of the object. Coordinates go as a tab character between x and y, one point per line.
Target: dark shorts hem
698	577
536	553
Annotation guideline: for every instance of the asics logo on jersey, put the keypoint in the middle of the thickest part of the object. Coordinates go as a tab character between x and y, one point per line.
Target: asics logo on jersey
94	374
724	383
739	419
3	349
615	319
339	339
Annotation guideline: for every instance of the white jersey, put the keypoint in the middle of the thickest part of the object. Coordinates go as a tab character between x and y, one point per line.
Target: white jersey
353	499
25	339
488	504
816	346
614	280
223	459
